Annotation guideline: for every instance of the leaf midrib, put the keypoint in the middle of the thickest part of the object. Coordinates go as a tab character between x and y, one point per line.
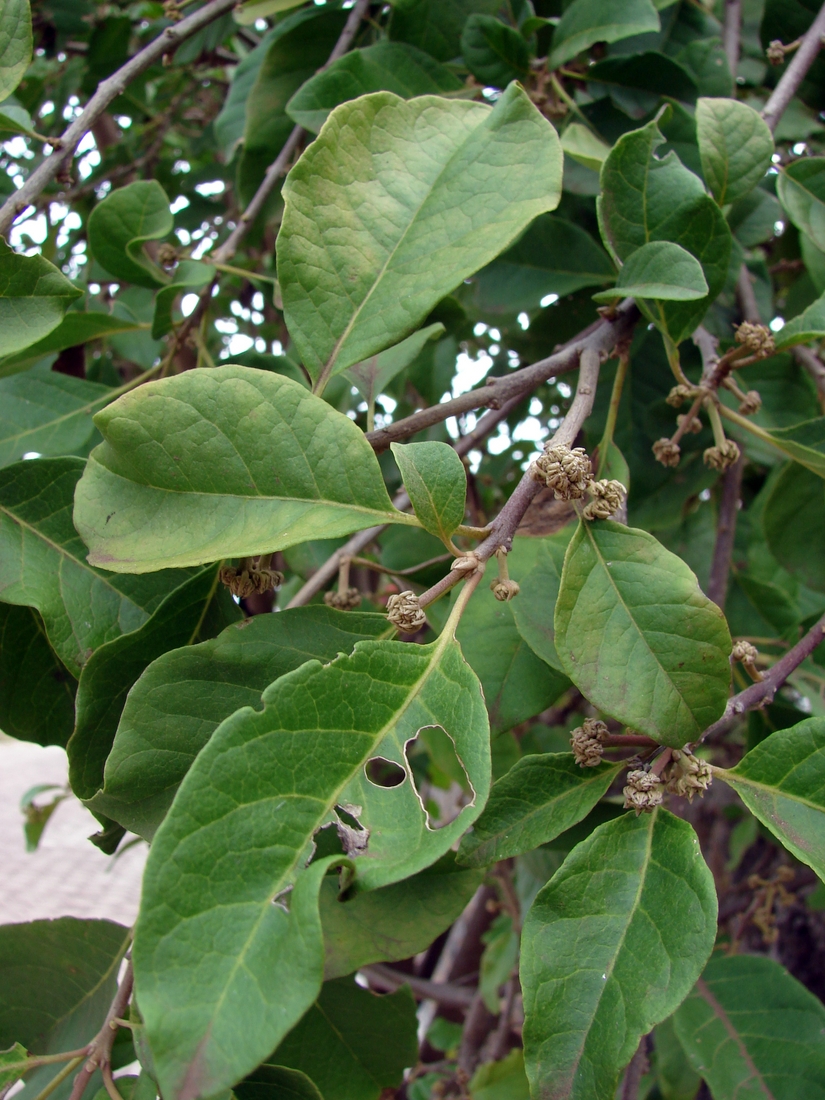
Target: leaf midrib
87	996
733	777
707	995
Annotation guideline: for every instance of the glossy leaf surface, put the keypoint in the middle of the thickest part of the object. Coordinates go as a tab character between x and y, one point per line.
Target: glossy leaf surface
493	52
735	145
587	21
660	270
290	469
636	634
436	482
34	295
121	225
435	25
636	889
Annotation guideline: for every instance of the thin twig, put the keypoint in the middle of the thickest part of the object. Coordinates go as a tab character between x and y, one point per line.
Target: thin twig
731	481
763	692
635	1071
100	1049
59	1078
793	76
478	1024
731	29
384	977
747	299
107	90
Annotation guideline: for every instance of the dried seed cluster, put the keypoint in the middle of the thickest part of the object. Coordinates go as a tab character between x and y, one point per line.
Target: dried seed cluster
245	582
569	473
644	791
723	456
343	601
687	775
587	742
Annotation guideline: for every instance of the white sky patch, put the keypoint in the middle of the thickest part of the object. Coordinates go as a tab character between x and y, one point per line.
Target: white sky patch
469	372
777	324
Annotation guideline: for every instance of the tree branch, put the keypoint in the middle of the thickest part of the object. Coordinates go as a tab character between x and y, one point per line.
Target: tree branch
731	479
64	146
384	977
747	299
793	76
100	1049
730	34
763	692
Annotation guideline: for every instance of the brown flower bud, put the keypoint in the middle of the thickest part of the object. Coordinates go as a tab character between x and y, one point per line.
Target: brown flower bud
720	458
504	590
666	452
245	582
405	612
607	499
644	792
758	339
751	404
467	563
687	775
567	472
343	601
744	652
775	52
695	425
587	742
678	395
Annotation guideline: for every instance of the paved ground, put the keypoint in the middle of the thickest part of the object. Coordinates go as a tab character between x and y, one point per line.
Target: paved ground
66	876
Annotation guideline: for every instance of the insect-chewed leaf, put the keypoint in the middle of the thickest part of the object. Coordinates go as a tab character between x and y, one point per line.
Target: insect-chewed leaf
436	481
751	1030
183	697
611	946
781	781
222	971
220	463
638	637
360	262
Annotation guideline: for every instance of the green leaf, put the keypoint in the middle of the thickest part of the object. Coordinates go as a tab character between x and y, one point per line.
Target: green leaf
184	695
780	781
34	295
13	1064
794	521
517	684
43	564
539	798
241	829
122	223
611	946
15	44
493	52
804	442
646	72
586	22
290	468
371	376
385	67
249	11
395	922
473	176
583	146
300	45
807	326
59	978
48	413
534	608
36	691
277	1082
637	636
436	483
189	274
753	219
229	124
648	198
800	187
735	145
751	1030
75	328
707	63
675	1076
660	270
199	609
435	26
352	1043
504	1080
498	960
16	120
553	256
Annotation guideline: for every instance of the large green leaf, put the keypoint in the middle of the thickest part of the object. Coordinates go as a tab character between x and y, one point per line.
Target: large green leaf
184	695
493	52
435	26
660	270
553	256
43	564
351	1043
675	1076
34	295
735	145
395	922
807	326
374	373
385	67
219	463
648	198
538	798
241	829
611	946
804	442
646	72
780	781
36	692
360	261
75	328
436	483
15	44
47	412
794	522
120	226
59	977
229	124
801	189
754	1032
198	610
534	609
586	22
517	684
638	637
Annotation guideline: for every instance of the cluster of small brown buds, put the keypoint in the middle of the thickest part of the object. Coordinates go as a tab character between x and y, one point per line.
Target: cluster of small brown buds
748	654
246	581
468	563
567	471
172	11
608	497
644	791
168	255
679	394
757	339
347	600
751	403
687	775
405	612
667	452
695	425
587	742
722	457
505	590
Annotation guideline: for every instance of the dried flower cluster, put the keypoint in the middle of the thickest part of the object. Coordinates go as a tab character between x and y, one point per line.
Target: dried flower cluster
405	612
569	473
587	742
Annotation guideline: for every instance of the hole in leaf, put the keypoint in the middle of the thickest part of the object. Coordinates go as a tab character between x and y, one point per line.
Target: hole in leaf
281	899
354	837
385	773
439	777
